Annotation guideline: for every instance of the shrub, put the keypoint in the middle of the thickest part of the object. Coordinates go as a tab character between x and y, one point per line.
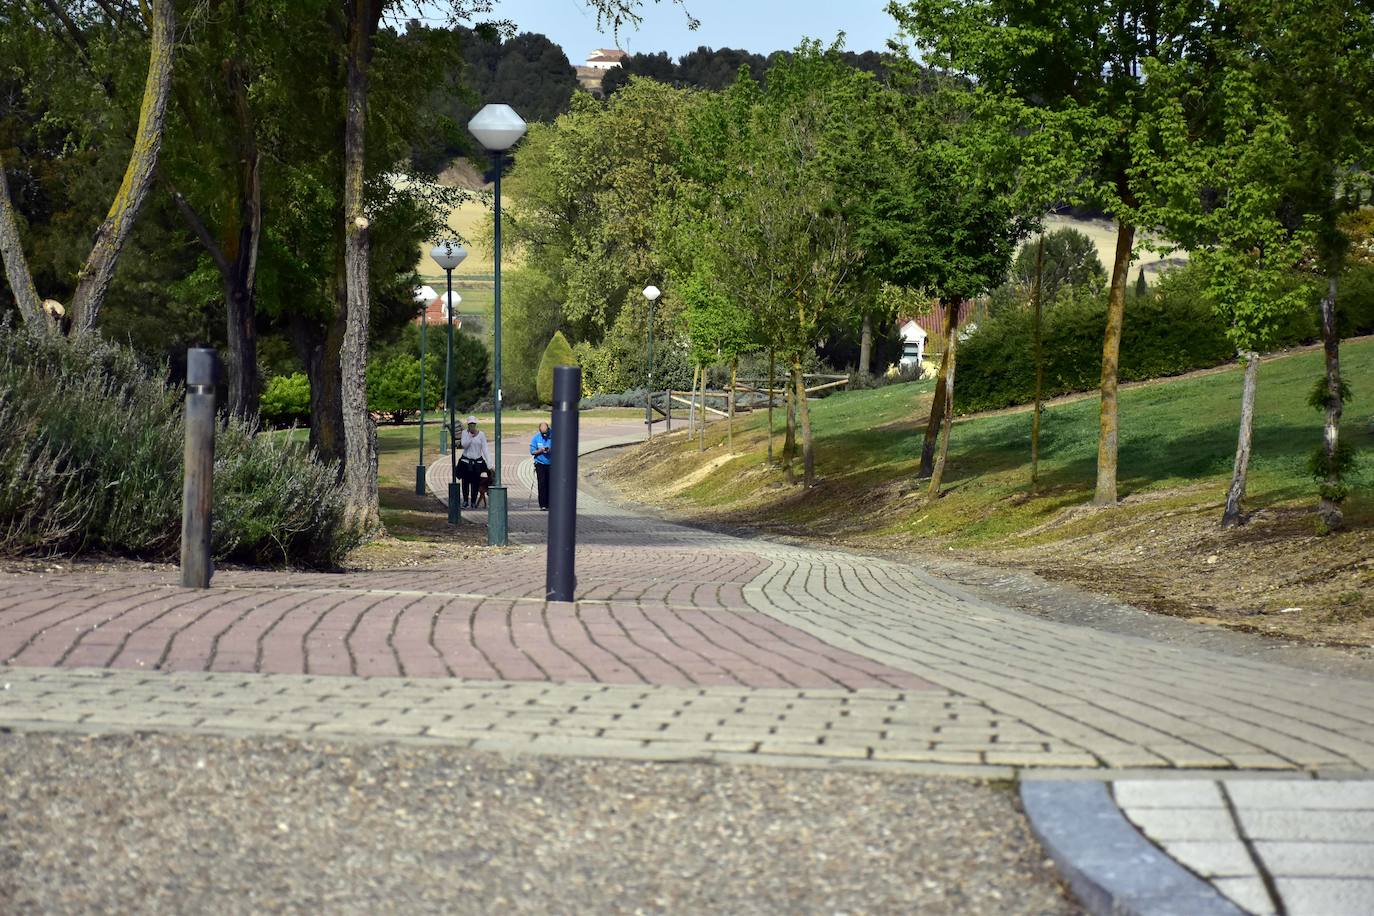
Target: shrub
1171	331
286	400
558	353
393	386
90	460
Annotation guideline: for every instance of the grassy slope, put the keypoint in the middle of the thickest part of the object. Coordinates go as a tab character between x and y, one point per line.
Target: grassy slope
1177	445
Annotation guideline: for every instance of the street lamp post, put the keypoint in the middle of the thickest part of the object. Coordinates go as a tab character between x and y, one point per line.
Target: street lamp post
448	255
423	296
651	293
497	127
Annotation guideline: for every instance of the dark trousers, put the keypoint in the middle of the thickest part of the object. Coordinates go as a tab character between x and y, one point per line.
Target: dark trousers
541	474
468	472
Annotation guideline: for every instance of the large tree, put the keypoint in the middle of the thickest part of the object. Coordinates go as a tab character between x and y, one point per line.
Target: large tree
779	236
935	205
1074	69
1217	152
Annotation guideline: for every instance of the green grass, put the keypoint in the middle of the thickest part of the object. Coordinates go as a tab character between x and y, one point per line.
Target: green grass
1174	434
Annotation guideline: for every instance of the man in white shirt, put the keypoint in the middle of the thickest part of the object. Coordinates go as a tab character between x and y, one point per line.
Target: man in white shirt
473	462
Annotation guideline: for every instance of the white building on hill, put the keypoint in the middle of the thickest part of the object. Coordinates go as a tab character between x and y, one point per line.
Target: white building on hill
604	59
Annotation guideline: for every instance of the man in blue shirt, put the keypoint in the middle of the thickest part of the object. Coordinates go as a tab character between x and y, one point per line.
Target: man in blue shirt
541	448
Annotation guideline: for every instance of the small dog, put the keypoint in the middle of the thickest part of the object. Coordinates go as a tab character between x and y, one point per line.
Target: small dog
483	482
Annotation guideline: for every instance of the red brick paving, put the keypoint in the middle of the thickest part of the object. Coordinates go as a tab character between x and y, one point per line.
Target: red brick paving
672	631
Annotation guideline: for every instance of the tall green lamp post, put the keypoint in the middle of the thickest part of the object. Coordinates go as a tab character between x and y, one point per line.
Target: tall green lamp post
424	295
449	254
497	127
650	293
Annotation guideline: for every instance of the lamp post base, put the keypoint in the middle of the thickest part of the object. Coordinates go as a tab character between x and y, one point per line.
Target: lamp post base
455	505
419	480
496	517
443	441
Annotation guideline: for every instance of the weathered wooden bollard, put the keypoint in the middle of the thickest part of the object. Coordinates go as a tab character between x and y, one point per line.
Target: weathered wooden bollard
560	579
198	467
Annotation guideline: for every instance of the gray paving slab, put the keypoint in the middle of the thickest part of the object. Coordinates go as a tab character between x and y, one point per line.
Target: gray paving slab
1305	848
1111	867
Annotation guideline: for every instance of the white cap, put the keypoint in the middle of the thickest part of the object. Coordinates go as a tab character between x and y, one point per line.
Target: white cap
472	419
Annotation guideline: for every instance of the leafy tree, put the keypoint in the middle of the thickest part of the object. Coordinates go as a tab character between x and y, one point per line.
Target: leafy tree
558	353
587	194
1070	72
469	381
1248	172
1314	64
763	163
935	209
1070	260
526	71
286	400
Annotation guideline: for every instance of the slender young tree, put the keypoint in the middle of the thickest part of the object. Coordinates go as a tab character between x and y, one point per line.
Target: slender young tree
1249	173
1039	357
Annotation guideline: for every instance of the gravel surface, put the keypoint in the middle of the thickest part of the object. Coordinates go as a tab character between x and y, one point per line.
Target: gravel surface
171	823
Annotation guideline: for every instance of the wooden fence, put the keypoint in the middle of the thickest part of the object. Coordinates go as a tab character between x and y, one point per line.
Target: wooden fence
662	403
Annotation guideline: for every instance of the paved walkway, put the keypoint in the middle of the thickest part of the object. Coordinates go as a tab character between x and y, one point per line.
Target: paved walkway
665	606
683	644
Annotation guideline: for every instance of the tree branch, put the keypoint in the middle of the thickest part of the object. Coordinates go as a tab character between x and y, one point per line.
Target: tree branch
76	35
16	266
96	274
192	218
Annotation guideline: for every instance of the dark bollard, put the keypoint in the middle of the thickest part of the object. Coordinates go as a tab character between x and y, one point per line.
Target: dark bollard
198	468
561	578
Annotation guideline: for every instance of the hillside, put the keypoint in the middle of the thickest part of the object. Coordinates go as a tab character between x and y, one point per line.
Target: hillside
1160	548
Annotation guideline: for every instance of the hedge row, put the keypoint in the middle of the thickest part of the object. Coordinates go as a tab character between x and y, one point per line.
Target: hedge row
1169	331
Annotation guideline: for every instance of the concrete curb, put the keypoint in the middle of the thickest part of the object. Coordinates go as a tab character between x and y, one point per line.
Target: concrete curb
1110	866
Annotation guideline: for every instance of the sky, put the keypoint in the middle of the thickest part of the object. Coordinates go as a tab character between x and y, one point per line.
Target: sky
760	26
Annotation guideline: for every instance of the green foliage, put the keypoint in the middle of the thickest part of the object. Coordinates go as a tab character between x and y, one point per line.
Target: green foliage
1070	260
1328	471
468	382
1170	332
286	400
90	461
1319	398
526	71
393	386
558	353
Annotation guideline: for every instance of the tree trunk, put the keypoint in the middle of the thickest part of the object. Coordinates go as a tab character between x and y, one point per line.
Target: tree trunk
730	427
692	405
1232	514
1108	420
16	265
701	430
789	441
866	345
360	452
938	471
318	346
94	278
772	374
1039	362
241	286
937	402
1329	506
808	444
